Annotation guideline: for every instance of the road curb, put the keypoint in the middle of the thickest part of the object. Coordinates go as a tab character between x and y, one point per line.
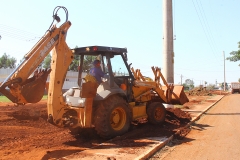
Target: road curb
163	144
153	150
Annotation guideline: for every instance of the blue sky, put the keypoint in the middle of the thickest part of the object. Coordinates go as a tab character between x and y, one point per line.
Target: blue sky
203	29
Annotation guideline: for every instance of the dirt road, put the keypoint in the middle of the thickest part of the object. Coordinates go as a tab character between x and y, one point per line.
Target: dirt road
215	136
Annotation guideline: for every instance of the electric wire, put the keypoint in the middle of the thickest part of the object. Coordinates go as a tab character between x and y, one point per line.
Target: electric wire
208	28
17	33
27	36
204	28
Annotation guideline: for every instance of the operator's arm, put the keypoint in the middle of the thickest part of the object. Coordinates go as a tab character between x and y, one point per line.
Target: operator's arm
100	73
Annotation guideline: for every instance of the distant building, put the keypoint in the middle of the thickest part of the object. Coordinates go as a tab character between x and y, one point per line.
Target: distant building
70	80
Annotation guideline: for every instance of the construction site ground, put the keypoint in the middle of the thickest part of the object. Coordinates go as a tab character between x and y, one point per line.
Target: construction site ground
25	133
215	136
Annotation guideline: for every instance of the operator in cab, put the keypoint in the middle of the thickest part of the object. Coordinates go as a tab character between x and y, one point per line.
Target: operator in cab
96	71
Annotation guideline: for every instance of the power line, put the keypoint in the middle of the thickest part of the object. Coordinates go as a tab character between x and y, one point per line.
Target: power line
194	70
17	33
204	28
12	29
208	27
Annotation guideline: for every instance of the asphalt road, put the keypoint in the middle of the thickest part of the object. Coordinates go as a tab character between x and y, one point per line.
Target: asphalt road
215	136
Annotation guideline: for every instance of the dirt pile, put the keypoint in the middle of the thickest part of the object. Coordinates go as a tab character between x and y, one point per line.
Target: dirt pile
176	116
28	114
200	91
220	92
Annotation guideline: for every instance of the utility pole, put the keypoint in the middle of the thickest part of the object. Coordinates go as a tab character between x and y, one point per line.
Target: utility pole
224	72
168	54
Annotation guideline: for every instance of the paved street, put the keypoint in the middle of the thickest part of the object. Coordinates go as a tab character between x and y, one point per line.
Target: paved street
215	136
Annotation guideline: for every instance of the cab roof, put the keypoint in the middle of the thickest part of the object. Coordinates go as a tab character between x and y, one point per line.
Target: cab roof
92	50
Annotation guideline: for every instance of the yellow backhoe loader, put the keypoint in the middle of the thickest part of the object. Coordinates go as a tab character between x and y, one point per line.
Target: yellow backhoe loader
110	107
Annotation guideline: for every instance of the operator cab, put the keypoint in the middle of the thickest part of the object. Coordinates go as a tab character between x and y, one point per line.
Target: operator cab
117	79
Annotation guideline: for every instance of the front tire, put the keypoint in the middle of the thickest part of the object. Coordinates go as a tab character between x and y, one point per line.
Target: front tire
156	113
112	117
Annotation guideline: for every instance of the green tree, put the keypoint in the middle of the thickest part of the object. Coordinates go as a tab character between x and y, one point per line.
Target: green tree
226	85
75	63
7	62
87	63
235	55
47	61
210	86
188	83
186	87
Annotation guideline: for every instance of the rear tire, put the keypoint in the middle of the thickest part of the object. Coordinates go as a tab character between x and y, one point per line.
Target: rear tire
156	113
112	117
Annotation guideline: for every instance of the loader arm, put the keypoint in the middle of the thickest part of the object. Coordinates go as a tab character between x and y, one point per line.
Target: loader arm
26	84
169	94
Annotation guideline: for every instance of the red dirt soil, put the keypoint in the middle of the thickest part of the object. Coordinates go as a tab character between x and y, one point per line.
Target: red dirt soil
25	133
205	92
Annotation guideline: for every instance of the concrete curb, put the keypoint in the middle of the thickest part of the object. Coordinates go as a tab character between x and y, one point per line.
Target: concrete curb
161	145
153	150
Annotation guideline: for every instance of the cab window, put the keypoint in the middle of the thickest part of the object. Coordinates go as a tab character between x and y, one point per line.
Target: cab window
118	66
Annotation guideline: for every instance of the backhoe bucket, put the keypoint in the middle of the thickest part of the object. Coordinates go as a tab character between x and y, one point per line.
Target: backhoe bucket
179	96
33	91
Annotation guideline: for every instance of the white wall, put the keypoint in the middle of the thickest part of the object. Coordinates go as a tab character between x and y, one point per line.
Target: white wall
70	80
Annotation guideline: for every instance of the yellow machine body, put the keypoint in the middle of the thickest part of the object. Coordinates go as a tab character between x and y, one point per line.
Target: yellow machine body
112	109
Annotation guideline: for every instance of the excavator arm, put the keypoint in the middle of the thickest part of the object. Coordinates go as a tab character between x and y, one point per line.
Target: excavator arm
26	84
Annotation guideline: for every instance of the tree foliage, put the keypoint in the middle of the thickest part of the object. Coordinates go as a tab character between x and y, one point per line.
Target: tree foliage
188	83
211	86
47	61
235	55
7	62
226	85
75	63
87	63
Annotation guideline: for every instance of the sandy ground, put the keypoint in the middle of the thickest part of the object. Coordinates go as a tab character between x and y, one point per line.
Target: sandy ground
25	134
215	136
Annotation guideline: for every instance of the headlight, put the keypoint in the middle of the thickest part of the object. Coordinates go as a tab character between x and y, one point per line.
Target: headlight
81	102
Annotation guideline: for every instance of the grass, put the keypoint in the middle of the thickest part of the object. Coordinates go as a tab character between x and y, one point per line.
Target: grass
178	106
5	99
44	97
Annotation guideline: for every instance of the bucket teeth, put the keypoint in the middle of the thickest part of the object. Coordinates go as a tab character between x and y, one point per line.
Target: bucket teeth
33	89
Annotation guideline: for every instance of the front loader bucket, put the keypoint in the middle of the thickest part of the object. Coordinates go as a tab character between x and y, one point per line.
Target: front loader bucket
179	96
34	90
